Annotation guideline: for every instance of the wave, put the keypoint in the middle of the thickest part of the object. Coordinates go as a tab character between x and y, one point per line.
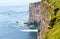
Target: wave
30	30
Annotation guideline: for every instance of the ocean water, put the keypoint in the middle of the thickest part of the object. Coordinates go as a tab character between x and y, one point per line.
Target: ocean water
9	28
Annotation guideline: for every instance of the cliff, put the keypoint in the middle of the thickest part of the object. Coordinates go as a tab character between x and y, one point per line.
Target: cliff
47	14
34	12
38	13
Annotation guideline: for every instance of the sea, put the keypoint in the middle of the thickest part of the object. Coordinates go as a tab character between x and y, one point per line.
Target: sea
12	25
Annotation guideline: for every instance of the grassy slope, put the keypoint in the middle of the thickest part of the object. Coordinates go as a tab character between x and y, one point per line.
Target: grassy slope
54	33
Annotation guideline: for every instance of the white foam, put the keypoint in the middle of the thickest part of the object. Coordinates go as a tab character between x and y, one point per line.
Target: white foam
30	30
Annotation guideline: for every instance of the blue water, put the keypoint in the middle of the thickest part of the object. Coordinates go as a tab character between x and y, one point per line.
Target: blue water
9	29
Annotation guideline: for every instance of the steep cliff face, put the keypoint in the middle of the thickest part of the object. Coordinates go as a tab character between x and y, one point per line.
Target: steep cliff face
47	13
34	12
39	14
44	18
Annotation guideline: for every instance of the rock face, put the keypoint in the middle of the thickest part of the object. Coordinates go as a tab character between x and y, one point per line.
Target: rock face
43	20
34	12
47	13
38	13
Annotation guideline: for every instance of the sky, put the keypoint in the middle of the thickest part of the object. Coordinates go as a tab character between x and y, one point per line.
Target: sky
16	2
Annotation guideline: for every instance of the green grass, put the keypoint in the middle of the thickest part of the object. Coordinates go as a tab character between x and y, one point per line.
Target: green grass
54	32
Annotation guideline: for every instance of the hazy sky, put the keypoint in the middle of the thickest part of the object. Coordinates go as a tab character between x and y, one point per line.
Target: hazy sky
16	2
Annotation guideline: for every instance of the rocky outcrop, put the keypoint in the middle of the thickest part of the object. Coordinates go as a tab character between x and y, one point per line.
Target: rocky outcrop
34	12
38	13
